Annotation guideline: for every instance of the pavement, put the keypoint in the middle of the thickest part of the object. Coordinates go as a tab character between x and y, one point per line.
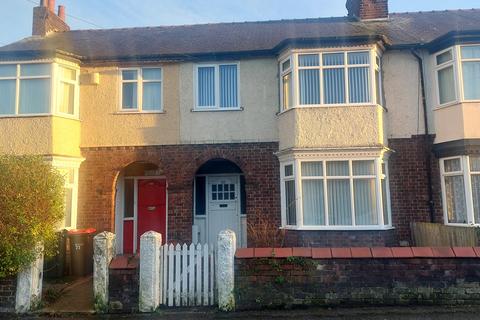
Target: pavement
370	313
77	297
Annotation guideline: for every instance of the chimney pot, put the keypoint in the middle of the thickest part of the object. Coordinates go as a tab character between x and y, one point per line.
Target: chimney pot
43	3
61	12
51	5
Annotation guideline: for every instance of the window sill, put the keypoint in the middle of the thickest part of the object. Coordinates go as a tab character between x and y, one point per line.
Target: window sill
456	103
465	225
123	112
339	228
216	109
330	106
39	115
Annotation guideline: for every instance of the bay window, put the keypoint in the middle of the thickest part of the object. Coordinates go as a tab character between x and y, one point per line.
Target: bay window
141	90
457	72
335	194
331	78
26	89
216	87
461	189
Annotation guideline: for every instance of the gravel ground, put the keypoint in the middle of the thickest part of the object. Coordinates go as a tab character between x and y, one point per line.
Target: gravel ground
380	313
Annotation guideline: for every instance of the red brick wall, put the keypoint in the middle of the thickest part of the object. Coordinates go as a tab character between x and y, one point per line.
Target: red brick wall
340	238
46	21
357	276
8	290
368	9
409	184
178	163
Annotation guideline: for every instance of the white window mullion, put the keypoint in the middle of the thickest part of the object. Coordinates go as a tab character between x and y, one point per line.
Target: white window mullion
468	189
320	63
17	91
295	81
139	89
217	86
352	195
458	74
372	82
299	194
345	66
54	71
325	192
379	191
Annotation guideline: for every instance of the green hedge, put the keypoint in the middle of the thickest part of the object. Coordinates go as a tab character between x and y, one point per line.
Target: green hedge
31	208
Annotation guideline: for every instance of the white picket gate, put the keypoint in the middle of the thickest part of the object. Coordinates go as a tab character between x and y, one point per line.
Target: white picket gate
188	275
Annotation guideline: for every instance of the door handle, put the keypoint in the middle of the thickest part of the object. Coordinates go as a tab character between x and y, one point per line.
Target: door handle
223	205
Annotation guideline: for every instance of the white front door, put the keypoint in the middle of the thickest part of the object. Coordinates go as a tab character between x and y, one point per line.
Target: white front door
223	205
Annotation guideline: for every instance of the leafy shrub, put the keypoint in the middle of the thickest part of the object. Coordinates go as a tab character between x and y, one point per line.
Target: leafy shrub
31	207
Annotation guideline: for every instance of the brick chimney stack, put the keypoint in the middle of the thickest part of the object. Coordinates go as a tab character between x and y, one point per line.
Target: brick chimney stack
45	21
368	9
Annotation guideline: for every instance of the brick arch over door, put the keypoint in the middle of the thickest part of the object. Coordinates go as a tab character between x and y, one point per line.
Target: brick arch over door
179	163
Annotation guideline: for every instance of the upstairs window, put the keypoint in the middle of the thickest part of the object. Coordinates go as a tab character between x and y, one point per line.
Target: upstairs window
332	78
287	95
66	90
217	87
26	89
458	74
142	90
446	77
471	72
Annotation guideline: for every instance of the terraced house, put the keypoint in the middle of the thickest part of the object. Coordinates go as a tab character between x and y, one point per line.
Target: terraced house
340	131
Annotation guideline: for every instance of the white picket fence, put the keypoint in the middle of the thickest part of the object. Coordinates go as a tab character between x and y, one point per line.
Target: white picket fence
188	274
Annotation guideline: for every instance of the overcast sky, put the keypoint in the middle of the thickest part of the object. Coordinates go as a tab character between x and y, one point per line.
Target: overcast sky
16	15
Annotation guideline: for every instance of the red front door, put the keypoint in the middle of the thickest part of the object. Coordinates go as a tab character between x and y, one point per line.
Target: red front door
151	207
151	212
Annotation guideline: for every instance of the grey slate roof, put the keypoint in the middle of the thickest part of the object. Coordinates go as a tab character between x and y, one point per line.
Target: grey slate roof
400	29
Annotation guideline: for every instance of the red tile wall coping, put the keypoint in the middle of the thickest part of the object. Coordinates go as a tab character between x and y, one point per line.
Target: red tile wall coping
124	262
360	252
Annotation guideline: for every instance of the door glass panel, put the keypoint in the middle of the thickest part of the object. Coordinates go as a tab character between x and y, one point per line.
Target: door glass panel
128	199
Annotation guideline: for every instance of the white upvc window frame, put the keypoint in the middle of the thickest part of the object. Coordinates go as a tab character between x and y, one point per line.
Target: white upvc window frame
439	67
457	63
56	91
460	69
373	66
466	173
139	82
215	107
74	165
284	179
378	176
283	73
53	108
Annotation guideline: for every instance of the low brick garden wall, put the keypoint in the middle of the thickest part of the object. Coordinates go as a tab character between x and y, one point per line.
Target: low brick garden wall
289	277
8	290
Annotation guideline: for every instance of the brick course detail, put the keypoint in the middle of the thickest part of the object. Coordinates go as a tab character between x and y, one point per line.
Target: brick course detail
302	281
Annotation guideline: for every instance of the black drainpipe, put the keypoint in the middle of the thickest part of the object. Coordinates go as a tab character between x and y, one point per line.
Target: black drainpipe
428	153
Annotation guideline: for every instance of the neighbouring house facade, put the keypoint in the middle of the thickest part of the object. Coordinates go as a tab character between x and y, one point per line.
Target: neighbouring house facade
339	131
